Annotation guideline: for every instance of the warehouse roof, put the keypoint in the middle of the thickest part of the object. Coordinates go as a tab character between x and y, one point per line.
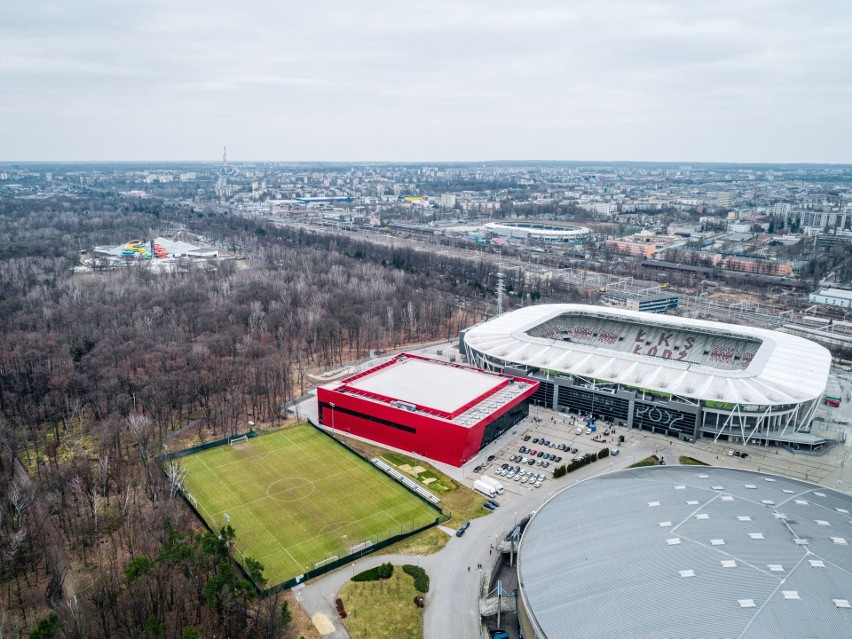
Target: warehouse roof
679	551
429	384
446	390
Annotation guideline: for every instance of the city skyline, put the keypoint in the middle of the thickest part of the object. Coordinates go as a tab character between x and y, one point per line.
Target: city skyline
746	82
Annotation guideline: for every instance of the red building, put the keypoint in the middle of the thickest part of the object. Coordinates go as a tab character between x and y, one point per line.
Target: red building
440	410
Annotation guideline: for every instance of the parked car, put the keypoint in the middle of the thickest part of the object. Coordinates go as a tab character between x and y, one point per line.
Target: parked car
535	441
462	529
478	469
488	506
526	438
494	503
614	451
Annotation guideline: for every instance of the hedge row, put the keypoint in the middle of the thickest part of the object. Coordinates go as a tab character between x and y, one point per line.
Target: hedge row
421	579
564	469
382	571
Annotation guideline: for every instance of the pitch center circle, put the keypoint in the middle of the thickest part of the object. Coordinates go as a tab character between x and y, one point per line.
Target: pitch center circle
290	489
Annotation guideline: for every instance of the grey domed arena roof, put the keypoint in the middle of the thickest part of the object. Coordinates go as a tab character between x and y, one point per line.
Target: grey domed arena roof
689	551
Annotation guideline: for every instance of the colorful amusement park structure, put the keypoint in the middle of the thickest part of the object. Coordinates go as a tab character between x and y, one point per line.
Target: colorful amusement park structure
137	248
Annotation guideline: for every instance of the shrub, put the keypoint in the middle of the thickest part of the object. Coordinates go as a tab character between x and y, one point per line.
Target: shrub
421	579
604	453
382	571
593	458
341	609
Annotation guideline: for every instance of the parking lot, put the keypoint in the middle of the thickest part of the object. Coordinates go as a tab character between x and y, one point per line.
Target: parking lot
545	440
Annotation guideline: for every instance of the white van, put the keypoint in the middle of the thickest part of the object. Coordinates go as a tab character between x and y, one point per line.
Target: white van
579	431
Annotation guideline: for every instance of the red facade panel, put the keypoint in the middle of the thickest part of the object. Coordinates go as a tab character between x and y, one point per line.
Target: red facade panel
415	432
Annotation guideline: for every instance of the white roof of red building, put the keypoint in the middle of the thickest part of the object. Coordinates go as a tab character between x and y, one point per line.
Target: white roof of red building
457	393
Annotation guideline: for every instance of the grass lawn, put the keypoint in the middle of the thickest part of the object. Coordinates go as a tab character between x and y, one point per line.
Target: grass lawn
648	461
297	499
690	461
383	609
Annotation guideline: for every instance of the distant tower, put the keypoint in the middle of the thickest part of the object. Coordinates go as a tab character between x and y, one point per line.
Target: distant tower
499	292
224	159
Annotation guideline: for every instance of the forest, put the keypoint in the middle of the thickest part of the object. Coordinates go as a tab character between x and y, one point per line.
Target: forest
99	371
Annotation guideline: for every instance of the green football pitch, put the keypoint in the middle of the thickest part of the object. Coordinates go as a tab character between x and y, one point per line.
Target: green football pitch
297	500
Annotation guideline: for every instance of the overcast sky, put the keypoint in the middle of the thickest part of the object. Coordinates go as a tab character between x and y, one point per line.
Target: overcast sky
401	80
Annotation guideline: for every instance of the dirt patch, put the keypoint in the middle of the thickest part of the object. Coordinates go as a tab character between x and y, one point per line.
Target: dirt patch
322	624
407	469
418	469
429	480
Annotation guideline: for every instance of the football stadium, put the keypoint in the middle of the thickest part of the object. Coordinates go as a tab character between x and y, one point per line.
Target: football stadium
680	377
537	232
687	551
437	409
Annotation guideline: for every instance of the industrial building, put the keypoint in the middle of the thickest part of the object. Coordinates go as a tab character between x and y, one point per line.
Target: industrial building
832	297
688	551
659	303
681	377
439	410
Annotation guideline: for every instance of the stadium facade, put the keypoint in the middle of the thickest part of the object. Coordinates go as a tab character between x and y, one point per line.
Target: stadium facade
439	410
687	551
681	377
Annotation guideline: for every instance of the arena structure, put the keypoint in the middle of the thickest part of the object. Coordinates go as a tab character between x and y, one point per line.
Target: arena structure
537	232
440	410
688	551
681	377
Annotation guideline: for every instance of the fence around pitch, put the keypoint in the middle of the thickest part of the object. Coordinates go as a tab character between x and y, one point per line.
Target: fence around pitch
337	563
325	568
196	449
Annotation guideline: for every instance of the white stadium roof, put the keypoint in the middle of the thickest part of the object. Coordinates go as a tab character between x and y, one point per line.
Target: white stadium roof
538	230
772	368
